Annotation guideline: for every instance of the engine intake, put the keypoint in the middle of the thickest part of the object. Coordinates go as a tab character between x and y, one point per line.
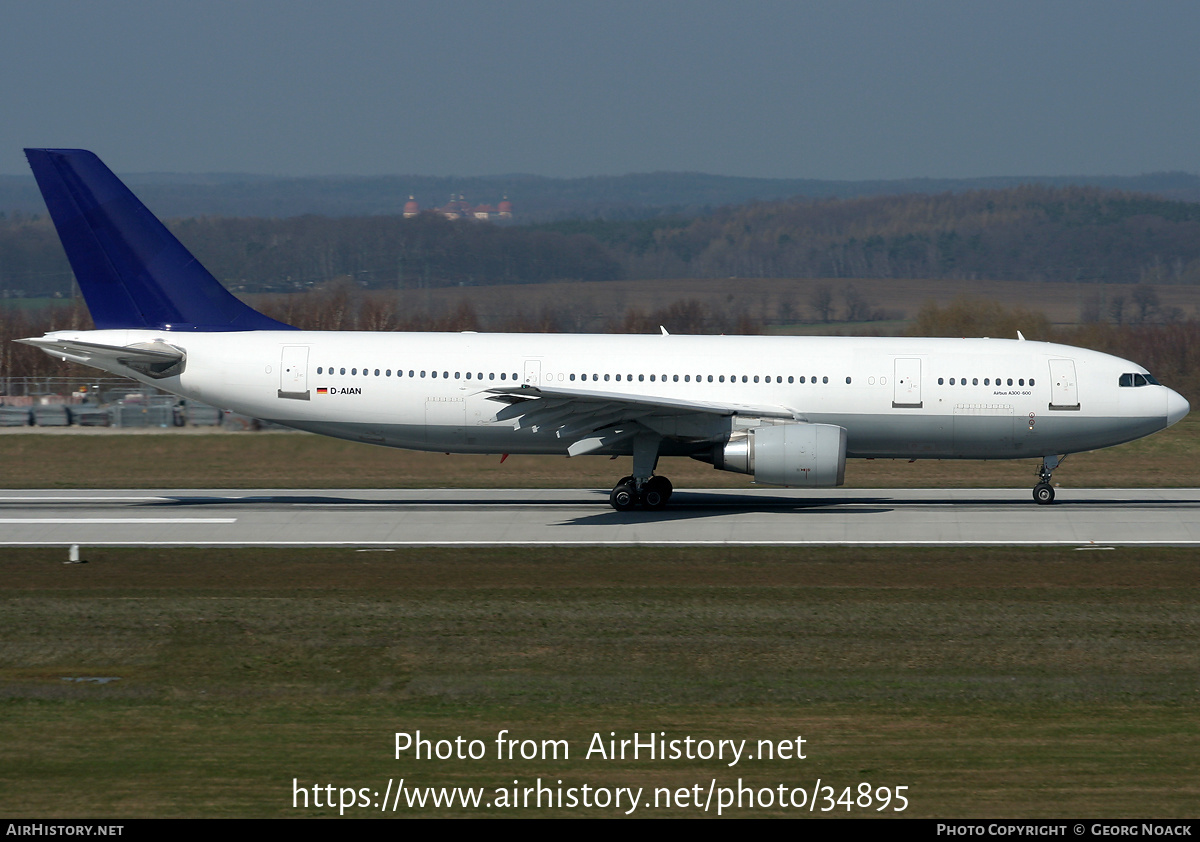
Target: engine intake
805	455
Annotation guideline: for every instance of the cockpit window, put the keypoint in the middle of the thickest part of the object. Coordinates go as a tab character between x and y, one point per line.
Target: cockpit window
1135	379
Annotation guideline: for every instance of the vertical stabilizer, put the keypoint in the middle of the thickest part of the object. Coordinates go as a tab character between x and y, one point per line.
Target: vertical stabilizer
132	271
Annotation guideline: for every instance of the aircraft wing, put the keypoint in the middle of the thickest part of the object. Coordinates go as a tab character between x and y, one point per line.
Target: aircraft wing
156	359
592	420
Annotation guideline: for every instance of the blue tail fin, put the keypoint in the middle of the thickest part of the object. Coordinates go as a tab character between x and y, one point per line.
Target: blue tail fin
132	271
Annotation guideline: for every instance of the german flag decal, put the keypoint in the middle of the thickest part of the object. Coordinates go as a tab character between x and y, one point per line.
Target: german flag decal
322	391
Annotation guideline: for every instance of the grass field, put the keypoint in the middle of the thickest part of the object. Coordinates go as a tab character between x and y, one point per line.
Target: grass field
989	682
102	459
1024	683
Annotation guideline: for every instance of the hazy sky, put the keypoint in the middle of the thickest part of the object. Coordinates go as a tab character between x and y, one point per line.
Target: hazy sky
845	89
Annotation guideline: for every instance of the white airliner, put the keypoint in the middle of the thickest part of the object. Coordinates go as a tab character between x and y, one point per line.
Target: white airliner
786	410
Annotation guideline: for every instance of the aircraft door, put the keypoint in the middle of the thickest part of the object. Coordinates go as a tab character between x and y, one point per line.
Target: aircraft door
907	384
1064	391
533	372
293	373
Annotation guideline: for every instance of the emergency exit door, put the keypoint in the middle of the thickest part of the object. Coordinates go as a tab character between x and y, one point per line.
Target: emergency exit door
293	373
1064	390
907	384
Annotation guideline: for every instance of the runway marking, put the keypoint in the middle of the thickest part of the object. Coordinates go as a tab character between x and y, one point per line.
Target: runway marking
116	520
7	499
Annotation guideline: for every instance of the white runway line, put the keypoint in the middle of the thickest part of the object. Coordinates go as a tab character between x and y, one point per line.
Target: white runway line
116	520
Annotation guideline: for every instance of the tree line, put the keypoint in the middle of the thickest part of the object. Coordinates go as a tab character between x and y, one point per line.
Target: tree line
1029	233
1171	351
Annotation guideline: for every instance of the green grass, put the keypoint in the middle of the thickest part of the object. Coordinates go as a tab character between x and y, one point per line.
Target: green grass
990	682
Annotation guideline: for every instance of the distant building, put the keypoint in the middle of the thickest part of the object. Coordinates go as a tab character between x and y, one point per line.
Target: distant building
460	208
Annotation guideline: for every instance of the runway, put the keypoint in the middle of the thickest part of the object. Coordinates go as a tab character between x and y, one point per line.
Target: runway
570	517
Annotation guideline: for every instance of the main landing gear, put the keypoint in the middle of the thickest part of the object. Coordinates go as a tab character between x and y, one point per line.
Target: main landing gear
653	493
1043	492
642	487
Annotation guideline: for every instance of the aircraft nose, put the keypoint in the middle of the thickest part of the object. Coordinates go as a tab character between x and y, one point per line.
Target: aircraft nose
1177	406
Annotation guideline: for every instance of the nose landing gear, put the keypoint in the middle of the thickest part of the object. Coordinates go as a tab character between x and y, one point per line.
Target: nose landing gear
1043	492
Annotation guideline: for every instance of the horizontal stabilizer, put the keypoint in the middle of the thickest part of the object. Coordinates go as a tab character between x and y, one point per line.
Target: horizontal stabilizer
154	359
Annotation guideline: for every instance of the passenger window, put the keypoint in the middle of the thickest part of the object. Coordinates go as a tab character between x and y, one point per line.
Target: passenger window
503	375
802	379
606	378
651	378
721	379
847	381
974	381
1010	381
687	378
1030	381
745	379
457	376
318	369
824	379
791	379
433	374
572	378
1021	382
756	378
951	381
986	381
940	381
641	378
675	378
618	378
710	378
491	375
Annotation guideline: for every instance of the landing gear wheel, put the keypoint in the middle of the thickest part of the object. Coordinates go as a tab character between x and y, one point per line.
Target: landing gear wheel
656	492
624	497
1043	493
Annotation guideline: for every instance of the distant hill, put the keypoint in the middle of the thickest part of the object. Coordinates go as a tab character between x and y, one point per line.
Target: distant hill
1078	235
539	199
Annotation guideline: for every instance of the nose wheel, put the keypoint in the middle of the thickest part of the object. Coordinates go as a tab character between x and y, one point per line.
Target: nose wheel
1043	492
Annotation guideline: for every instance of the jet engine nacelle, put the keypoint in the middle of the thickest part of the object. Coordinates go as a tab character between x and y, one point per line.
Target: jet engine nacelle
812	455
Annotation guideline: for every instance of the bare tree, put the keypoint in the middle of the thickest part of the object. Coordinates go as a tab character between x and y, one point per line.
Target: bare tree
1145	298
857	308
821	301
1116	309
